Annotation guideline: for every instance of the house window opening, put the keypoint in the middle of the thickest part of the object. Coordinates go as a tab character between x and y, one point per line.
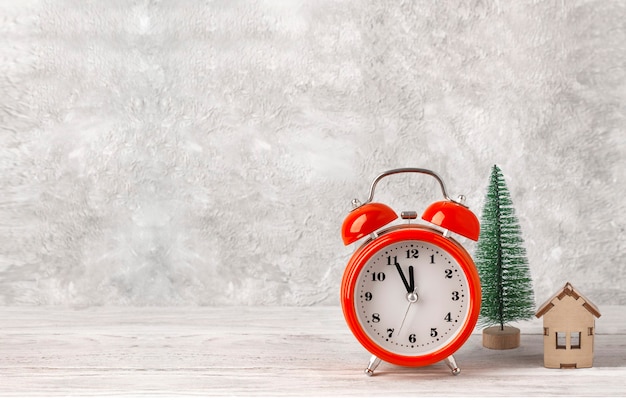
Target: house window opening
560	340
546	332
590	331
575	340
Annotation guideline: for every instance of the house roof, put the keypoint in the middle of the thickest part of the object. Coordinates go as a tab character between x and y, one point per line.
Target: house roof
570	291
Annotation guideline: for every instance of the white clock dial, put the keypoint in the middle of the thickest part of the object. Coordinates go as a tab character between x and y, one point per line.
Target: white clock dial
412	298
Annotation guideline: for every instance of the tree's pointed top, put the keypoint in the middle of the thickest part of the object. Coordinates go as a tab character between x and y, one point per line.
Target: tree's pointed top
496	174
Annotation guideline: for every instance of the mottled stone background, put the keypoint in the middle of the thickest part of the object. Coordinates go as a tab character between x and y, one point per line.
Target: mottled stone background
183	152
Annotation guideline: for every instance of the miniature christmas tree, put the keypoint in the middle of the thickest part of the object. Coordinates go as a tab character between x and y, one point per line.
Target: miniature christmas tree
503	268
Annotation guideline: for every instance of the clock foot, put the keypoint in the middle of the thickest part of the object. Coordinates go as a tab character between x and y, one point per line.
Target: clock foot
452	365
372	365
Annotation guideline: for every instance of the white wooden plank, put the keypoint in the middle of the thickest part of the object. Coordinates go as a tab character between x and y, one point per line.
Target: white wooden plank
268	351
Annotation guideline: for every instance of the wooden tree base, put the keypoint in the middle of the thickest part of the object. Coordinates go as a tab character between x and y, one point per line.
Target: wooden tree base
494	338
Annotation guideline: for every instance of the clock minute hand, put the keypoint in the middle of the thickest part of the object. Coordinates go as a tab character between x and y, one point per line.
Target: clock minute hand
406	284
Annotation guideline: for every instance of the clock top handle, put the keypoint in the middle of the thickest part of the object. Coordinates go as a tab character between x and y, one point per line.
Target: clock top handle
404	171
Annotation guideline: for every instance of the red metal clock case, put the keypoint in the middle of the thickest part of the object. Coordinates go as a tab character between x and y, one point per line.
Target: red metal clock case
388	237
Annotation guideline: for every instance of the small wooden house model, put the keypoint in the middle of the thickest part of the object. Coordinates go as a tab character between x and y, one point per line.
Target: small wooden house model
568	329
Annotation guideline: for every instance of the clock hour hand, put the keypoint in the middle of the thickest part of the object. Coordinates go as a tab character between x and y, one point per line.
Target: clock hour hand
406	283
411	280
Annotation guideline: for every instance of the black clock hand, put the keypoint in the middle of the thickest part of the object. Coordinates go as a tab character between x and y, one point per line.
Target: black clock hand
411	279
406	284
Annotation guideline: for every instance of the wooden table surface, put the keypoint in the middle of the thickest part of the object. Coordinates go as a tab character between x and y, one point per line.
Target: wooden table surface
270	351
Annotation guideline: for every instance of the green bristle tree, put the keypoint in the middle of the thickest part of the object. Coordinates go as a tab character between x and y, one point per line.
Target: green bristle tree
507	290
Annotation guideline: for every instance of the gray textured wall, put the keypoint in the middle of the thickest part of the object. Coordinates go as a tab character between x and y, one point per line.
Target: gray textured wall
205	153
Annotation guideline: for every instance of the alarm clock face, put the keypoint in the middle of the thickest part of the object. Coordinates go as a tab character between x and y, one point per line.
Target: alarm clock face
411	297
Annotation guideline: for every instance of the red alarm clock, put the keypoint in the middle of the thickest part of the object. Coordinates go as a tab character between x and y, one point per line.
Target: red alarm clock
410	293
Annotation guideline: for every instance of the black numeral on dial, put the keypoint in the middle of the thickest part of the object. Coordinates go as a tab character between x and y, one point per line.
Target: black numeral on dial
378	276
